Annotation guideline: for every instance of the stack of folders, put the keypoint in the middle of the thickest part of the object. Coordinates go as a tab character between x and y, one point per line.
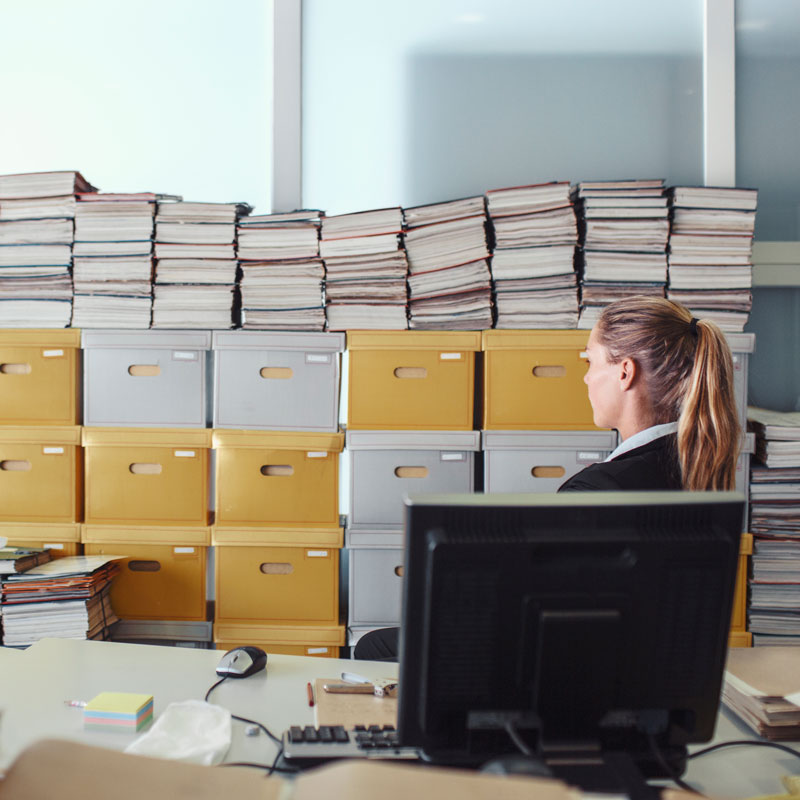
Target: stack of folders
282	274
449	283
123	712
711	246
67	598
774	609
762	686
196	265
36	235
365	270
533	270
624	234
113	260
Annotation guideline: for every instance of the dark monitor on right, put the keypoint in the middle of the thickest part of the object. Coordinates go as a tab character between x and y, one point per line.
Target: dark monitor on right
571	628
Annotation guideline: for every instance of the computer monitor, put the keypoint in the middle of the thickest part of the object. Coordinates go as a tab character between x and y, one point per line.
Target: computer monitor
576	625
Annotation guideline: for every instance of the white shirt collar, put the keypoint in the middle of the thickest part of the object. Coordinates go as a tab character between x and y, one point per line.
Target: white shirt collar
644	437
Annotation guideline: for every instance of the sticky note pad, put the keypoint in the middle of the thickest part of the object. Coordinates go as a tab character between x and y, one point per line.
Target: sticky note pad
118	711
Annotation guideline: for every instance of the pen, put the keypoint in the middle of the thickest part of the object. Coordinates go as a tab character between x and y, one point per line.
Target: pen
310	690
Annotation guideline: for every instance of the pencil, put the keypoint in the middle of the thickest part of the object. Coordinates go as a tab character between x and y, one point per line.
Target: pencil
310	690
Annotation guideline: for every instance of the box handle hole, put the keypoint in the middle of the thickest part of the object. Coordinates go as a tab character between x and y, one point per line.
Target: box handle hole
144	370
15	466
144	566
279	373
411	372
15	369
411	472
145	469
548	472
276	568
277	470
398	570
552	371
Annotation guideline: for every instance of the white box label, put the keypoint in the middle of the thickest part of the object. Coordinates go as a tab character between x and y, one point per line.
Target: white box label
318	358
317	454
450	356
54	546
185	454
183	549
317	553
313	651
453	456
589	456
52	353
53	451
184	355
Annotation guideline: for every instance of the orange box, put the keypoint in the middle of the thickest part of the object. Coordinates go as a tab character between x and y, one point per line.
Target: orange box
277	585
163	574
39	376
155	476
739	611
322	641
533	380
411	380
61	538
277	479
41	474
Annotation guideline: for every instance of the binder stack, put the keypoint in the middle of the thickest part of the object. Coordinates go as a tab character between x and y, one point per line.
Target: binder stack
711	246
533	262
36	236
196	264
281	272
113	260
365	270
449	283
774	612
624	234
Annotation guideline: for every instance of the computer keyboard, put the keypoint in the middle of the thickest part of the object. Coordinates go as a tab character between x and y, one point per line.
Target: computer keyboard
308	745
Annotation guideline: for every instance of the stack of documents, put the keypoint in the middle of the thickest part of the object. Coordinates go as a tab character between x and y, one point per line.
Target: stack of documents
365	280
762	686
198	293
123	712
449	283
113	260
774	609
624	233
36	236
67	598
533	264
711	246
282	274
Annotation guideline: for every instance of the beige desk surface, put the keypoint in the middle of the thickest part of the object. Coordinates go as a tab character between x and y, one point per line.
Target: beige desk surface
35	683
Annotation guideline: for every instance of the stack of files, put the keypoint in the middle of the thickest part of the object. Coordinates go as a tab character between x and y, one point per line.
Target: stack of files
124	712
533	264
449	282
365	270
196	267
20	559
777	436
281	273
67	598
36	236
762	686
113	260
624	234
711	246
775	591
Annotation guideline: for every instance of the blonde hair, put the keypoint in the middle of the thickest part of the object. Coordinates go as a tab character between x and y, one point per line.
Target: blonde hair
688	370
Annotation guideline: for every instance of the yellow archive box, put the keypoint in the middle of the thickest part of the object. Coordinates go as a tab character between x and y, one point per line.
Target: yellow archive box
39	377
276	478
163	574
411	380
60	538
533	380
41	477
739	611
156	476
277	585
322	641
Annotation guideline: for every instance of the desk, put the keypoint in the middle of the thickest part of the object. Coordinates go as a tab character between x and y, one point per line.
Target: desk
35	683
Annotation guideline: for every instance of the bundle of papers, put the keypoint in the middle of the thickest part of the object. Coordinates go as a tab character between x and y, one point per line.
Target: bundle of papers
124	712
43	184
193	306
20	559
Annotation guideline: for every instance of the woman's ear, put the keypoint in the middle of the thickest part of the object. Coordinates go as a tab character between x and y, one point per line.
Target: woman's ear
627	373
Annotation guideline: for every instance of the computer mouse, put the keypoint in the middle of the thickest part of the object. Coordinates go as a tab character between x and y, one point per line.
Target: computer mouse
241	662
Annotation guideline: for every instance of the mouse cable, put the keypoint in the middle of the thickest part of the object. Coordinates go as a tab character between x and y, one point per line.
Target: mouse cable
668	770
244	719
517	739
269	768
744	743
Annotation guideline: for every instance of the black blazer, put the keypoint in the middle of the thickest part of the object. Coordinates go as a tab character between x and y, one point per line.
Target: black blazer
652	466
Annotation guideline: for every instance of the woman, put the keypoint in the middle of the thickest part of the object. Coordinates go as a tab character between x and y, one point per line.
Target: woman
664	381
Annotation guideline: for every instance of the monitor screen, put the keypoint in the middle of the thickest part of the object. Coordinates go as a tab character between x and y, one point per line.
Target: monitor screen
565	623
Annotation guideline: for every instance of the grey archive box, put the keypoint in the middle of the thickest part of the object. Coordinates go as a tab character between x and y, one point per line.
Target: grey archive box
742	478
375	587
277	381
145	378
540	461
741	344
384	466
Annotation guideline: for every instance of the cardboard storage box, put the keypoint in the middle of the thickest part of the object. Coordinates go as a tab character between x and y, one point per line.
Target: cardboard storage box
60	538
376	587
